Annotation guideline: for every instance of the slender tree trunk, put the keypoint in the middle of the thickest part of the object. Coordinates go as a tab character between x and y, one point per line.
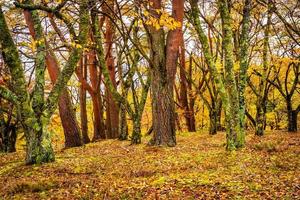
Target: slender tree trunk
263	96
123	123
244	57
99	130
260	120
112	118
219	113
82	94
191	102
292	117
213	122
67	114
188	110
136	132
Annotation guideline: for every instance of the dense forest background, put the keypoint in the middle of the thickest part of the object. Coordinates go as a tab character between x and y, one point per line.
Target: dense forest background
79	72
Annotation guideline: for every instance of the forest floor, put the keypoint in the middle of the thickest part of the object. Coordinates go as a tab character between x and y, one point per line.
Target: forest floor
197	168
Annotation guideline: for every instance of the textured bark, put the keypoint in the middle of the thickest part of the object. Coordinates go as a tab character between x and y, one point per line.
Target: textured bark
262	90
186	103
234	137
229	96
123	128
99	130
163	69
67	114
112	112
214	115
137	117
34	116
82	99
244	57
38	145
213	122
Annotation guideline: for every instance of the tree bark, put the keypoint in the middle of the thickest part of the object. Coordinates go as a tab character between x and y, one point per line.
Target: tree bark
112	112
262	95
99	130
234	137
186	103
163	70
82	99
67	114
292	117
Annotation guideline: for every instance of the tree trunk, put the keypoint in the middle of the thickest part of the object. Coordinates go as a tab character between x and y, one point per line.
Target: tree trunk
213	122
67	114
99	130
244	57
163	69
8	138
136	132
292	117
234	137
260	121
184	86
112	114
227	89
83	112
219	113
123	124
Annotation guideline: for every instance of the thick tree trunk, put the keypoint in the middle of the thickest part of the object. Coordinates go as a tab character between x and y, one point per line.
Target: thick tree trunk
67	114
235	138
163	72
38	145
35	114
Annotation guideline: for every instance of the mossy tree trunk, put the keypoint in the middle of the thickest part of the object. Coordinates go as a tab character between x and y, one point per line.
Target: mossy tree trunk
82	100
35	114
234	139
227	89
244	57
112	109
136	112
262	96
67	115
